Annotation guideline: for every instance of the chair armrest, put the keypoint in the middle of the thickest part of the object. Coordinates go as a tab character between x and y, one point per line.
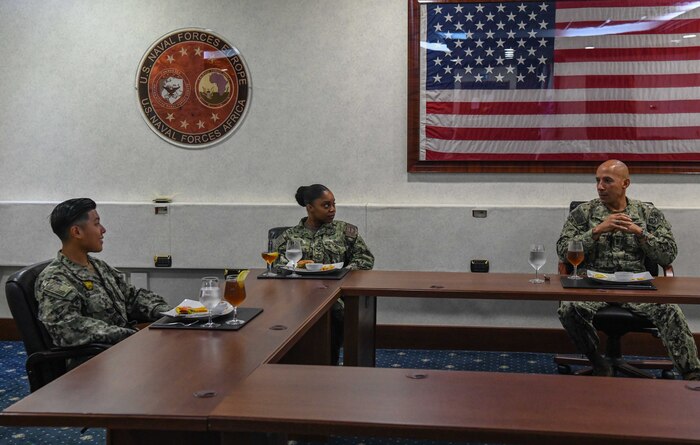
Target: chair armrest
668	270
64	353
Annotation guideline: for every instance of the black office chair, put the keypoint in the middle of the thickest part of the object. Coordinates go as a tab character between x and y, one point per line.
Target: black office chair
45	361
272	236
615	322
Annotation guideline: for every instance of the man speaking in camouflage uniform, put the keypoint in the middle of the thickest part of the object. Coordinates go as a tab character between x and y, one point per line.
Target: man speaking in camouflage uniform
618	234
82	299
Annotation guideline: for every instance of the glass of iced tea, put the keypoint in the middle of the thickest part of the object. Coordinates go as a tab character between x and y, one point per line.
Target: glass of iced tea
269	258
574	255
234	293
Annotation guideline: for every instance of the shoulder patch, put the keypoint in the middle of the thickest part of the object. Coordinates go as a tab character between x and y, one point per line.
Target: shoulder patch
655	217
351	231
578	215
56	288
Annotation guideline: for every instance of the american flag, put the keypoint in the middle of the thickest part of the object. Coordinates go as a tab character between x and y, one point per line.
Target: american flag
564	81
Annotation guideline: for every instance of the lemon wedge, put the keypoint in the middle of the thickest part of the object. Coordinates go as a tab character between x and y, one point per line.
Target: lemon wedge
241	276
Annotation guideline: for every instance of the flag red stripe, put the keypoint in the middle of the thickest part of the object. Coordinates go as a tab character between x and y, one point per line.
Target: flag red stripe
431	155
615	4
645	27
626	54
573	107
627	81
563	133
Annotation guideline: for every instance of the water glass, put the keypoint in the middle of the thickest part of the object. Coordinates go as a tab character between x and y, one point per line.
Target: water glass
537	260
210	297
294	254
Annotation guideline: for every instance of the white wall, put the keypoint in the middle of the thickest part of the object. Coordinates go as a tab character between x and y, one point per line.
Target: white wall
329	106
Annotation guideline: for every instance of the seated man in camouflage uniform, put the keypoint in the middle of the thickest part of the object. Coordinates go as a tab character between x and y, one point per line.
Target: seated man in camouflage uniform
325	240
617	234
82	299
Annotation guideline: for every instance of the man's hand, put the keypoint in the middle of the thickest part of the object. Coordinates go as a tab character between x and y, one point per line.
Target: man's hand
616	222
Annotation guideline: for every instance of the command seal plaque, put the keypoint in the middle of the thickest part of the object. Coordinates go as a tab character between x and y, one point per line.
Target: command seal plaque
193	88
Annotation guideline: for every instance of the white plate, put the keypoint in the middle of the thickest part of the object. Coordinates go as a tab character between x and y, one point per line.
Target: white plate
641	277
318	272
222	309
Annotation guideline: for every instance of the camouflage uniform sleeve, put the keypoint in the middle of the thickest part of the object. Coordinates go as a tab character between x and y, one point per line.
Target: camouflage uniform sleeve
577	228
660	246
141	304
60	310
359	254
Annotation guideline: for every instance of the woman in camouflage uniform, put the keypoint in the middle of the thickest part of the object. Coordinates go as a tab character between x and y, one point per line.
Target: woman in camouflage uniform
325	240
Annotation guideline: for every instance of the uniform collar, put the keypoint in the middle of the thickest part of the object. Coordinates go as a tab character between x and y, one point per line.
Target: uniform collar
627	206
323	227
77	269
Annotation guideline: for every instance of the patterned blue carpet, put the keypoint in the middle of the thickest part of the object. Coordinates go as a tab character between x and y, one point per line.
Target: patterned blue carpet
14	386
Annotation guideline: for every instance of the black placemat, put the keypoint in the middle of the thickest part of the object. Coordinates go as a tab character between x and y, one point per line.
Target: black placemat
283	274
587	283
244	313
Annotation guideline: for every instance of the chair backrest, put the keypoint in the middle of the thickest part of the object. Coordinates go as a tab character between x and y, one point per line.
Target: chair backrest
649	264
272	235
19	290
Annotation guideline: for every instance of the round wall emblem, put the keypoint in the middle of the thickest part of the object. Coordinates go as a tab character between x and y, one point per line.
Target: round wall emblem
193	88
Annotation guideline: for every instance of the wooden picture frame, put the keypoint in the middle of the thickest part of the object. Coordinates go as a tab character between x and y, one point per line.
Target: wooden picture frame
638	162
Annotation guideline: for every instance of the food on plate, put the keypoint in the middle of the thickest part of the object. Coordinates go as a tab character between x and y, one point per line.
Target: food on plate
302	264
184	310
328	267
600	276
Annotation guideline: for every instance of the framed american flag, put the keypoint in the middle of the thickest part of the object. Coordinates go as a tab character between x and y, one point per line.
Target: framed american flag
553	86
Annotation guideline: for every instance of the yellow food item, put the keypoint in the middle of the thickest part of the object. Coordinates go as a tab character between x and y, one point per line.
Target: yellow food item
327	267
600	275
183	310
241	276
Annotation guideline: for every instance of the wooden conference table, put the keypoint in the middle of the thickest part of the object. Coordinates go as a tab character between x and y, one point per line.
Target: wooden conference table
143	389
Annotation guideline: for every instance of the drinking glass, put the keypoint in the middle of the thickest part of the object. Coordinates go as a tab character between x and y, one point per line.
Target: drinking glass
234	293
269	258
574	255
537	260
294	254
210	297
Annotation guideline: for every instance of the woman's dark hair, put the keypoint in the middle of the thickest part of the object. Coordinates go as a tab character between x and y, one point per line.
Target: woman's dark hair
69	213
306	194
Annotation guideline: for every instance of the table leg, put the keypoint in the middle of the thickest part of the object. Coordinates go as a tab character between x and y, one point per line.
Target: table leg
314	348
360	326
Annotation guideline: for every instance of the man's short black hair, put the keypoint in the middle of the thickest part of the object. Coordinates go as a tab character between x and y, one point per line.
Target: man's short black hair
69	213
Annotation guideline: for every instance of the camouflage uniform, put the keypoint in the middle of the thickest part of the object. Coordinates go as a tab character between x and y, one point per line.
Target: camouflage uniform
618	251
78	306
332	243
